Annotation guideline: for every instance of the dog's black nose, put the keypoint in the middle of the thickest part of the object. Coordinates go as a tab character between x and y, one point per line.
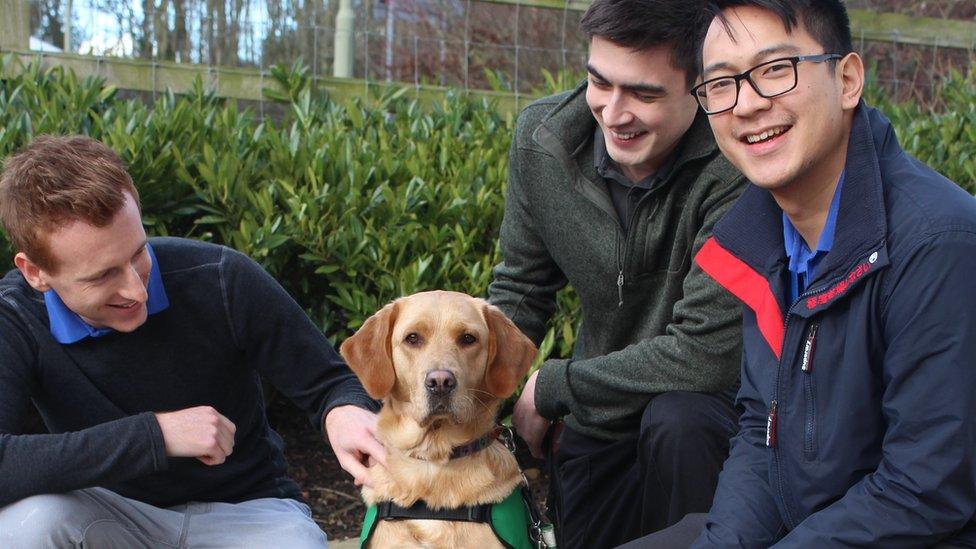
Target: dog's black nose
440	382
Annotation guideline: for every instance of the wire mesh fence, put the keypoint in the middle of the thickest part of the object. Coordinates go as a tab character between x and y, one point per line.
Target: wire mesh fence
505	45
912	71
464	43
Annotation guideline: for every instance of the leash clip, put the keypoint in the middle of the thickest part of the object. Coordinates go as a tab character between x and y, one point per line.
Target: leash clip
540	532
508	439
535	532
543	535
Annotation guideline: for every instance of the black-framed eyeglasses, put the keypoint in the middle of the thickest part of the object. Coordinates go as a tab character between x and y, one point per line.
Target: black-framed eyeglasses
769	79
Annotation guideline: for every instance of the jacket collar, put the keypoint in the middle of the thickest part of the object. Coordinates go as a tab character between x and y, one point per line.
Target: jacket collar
560	133
752	229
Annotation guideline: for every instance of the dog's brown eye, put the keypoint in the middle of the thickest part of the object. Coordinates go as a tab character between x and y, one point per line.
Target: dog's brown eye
412	338
467	339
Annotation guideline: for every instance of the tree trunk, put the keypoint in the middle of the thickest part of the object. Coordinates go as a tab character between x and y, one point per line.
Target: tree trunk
181	44
144	42
164	43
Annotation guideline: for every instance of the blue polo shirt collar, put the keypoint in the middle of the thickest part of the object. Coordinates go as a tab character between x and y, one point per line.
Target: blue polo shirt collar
68	327
803	262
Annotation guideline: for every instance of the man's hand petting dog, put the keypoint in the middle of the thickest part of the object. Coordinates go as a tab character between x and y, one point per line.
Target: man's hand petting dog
201	432
352	433
528	423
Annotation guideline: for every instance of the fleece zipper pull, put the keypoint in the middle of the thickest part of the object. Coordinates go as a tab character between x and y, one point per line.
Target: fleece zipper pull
620	288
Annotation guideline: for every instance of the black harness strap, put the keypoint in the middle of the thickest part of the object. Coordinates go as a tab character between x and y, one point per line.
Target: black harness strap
387	510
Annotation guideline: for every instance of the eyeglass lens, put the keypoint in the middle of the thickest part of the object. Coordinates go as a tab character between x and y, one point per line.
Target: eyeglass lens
769	79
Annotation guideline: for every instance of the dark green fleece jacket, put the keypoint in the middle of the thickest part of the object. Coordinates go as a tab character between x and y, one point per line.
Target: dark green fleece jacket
675	330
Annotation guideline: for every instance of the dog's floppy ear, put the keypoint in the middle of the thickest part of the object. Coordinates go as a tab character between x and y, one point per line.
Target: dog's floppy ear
369	352
510	353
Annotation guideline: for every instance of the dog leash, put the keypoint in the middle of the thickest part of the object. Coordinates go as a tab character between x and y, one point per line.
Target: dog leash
541	532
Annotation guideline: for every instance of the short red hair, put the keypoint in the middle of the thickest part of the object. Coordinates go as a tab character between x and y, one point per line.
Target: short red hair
57	180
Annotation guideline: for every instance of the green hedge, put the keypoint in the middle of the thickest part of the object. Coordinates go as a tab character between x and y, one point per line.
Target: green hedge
943	137
349	205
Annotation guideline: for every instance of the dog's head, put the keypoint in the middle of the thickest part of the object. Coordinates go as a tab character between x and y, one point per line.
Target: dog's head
439	356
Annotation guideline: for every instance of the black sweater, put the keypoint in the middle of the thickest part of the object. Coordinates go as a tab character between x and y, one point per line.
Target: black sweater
228	323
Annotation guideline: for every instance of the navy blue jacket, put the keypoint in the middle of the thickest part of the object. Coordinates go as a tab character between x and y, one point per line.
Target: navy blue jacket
859	398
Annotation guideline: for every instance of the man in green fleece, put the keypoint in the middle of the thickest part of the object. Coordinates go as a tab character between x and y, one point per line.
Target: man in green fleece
613	187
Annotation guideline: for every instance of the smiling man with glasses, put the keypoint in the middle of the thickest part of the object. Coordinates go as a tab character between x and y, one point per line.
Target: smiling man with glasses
853	262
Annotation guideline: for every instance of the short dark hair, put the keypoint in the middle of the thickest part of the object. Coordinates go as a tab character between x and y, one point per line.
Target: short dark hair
826	20
647	24
57	180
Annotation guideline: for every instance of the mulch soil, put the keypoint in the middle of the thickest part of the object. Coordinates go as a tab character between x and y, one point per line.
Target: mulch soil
334	499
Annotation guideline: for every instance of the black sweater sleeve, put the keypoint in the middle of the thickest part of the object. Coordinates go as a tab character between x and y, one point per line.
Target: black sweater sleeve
41	463
282	344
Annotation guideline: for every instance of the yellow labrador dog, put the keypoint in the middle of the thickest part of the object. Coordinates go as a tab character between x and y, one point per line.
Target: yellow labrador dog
442	362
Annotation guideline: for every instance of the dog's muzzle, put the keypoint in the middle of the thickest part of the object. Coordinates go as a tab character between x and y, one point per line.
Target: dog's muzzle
440	385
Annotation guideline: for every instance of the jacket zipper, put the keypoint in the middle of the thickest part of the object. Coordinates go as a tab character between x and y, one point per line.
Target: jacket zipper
620	288
620	272
771	425
620	259
771	431
806	366
790	522
771	419
809	347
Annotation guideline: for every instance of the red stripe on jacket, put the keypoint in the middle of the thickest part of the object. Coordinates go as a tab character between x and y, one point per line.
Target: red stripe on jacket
747	285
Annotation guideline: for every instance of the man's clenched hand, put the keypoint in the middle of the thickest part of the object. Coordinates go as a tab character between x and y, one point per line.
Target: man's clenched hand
200	432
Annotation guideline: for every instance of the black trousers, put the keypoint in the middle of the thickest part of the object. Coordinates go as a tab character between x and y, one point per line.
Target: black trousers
603	494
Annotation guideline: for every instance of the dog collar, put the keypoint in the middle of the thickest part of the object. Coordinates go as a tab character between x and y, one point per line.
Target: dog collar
478	444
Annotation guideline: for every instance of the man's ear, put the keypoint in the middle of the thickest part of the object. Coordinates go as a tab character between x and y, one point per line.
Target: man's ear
369	352
34	275
510	353
850	70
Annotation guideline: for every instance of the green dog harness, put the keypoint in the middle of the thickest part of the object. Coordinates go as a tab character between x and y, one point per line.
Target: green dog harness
510	519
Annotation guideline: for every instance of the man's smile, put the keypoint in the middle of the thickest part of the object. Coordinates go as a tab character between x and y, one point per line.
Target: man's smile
764	135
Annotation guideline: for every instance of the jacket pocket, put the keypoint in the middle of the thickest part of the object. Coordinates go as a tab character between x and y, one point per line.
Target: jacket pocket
809	393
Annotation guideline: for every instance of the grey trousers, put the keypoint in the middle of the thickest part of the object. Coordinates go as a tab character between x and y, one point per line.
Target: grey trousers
97	518
676	536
